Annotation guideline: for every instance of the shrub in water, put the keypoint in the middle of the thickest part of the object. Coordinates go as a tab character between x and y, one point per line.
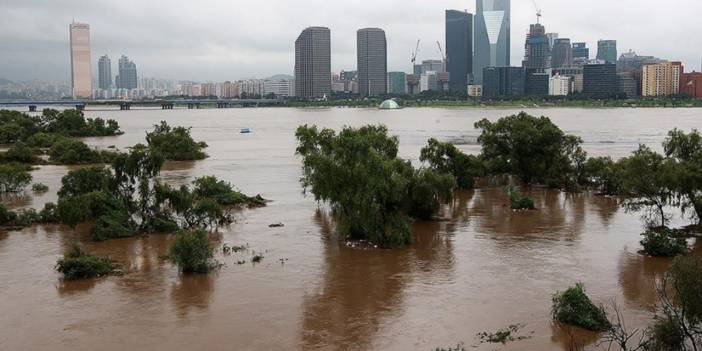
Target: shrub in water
666	335
27	217
78	264
663	242
192	252
574	307
14	178
48	213
39	188
518	202
6	216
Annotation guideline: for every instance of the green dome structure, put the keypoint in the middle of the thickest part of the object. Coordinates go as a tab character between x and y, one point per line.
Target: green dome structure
389	105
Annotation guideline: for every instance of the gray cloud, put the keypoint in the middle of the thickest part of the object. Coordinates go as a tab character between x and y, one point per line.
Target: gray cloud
231	39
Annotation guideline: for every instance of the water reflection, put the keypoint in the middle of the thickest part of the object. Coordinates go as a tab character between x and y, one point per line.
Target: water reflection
360	289
192	292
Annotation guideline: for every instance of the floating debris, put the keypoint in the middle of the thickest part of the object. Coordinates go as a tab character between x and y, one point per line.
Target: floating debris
276	225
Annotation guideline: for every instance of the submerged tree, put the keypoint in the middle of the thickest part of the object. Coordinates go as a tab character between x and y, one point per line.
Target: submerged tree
447	159
647	184
685	153
175	143
534	149
372	192
14	177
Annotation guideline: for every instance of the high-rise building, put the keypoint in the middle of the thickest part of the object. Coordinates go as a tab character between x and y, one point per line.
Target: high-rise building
600	80
537	55
372	61
559	85
81	72
661	79
537	83
127	78
432	66
581	51
397	83
551	39
105	73
313	63
562	53
628	85
607	51
459	49
492	36
503	81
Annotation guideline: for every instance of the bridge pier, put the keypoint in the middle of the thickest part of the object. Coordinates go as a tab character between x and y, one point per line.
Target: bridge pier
168	106
125	106
191	106
80	107
32	108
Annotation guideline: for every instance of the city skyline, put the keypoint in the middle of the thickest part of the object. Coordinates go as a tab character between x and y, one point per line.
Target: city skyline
215	42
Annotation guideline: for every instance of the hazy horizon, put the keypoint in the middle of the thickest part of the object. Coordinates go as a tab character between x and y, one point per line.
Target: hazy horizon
217	41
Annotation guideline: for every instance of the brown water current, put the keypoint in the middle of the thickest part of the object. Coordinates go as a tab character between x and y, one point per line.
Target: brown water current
480	268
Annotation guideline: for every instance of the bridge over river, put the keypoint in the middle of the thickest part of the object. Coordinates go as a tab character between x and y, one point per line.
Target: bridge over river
166	104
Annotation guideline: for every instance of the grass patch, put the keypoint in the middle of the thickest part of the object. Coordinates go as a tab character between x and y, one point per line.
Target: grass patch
502	336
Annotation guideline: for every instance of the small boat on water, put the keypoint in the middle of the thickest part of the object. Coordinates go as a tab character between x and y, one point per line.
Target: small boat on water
245	130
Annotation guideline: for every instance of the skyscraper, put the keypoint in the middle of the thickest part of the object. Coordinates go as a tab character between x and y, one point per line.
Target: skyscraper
127	78
607	51
492	36
537	49
313	63
503	81
372	61
600	80
562	53
459	49
81	74
105	73
580	51
397	82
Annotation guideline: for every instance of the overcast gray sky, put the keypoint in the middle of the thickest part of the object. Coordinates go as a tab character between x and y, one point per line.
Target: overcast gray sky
221	40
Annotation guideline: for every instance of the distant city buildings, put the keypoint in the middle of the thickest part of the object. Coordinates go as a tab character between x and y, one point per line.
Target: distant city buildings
661	79
503	81
691	84
561	53
313	63
81	72
397	83
600	80
537	49
127	77
560	85
581	52
459	49
492	36
372	62
104	73
607	51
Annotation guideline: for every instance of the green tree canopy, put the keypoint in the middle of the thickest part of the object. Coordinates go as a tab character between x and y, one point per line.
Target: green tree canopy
447	159
685	152
371	191
175	143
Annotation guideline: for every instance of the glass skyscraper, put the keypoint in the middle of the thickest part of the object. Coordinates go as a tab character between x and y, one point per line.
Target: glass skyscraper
459	49
313	63
104	73
492	36
127	78
607	51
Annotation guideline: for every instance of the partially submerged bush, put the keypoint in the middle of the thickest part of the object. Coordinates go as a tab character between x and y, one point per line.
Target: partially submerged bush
192	252
71	152
574	307
14	178
666	335
663	242
27	217
175	143
78	264
48	213
518	202
40	188
20	153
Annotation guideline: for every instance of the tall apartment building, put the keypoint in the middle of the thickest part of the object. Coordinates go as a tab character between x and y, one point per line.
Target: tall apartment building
661	79
372	54
313	63
491	35
559	85
81	72
459	49
104	73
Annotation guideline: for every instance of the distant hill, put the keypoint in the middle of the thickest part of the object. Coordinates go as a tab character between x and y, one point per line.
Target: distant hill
4	81
281	77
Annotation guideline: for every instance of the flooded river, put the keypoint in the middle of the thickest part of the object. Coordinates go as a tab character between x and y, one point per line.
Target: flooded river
481	268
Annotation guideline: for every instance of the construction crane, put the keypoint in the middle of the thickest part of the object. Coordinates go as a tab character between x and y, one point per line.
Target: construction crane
538	11
441	52
414	55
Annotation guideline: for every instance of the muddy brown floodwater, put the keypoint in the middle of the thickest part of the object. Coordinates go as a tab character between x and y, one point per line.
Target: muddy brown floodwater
481	268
